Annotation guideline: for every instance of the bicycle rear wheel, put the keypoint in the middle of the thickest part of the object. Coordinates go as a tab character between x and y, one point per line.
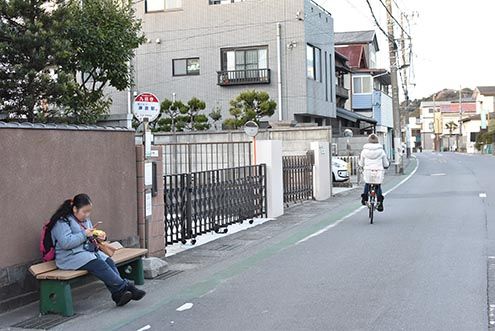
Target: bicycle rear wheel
371	212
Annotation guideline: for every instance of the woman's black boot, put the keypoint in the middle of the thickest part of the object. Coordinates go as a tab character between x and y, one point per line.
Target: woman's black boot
122	298
137	294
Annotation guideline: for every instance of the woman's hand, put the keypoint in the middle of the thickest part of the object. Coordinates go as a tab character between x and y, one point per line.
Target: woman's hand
88	232
102	237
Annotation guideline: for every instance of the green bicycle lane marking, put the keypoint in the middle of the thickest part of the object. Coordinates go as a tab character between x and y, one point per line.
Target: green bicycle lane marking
201	288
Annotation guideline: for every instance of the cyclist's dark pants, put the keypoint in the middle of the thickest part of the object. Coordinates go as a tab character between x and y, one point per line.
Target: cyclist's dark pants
378	190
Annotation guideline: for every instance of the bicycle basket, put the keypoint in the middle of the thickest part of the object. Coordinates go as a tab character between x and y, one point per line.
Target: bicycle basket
374	176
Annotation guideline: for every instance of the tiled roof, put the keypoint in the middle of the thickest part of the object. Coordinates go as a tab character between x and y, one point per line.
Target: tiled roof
354	53
355	37
477	117
487	90
454	108
340	55
51	126
353	116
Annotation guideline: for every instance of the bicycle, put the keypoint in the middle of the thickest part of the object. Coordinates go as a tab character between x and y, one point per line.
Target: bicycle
374	176
372	202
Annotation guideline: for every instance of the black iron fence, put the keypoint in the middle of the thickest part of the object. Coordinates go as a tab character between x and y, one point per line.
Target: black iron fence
298	178
181	158
200	202
243	77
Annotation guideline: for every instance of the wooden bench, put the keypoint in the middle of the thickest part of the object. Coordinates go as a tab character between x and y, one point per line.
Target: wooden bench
55	284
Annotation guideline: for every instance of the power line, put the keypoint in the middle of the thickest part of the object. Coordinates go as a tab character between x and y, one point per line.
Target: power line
393	17
378	24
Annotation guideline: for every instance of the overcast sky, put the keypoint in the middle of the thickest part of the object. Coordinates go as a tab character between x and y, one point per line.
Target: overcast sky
453	41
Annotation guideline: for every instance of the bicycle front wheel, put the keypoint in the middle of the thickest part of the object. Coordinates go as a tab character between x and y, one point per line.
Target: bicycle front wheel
371	212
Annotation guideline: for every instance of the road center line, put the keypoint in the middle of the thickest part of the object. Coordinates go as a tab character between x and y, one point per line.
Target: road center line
144	328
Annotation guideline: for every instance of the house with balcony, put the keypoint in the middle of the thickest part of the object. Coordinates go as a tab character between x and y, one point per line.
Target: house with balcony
215	49
369	86
346	118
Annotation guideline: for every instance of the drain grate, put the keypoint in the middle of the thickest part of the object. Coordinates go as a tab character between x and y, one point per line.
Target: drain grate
169	274
44	322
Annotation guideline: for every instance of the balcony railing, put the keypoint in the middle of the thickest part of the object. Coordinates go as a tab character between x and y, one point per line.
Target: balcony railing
243	77
342	92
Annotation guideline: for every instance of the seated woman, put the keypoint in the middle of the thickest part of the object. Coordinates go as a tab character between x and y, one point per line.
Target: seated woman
77	249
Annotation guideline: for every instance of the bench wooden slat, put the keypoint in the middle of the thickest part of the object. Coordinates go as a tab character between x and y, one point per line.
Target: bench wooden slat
62	274
41	268
126	254
48	270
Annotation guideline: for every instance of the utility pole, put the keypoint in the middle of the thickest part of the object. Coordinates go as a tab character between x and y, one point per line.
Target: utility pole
435	125
405	85
392	46
460	120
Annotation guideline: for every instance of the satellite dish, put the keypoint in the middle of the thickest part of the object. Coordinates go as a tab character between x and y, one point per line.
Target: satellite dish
348	133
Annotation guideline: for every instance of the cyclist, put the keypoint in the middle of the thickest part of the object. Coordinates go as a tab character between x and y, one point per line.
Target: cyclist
372	159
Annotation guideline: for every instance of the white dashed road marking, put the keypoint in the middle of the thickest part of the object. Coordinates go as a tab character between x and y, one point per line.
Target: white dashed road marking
144	328
185	306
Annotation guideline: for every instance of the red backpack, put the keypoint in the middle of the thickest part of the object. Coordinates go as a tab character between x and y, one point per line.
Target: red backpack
47	246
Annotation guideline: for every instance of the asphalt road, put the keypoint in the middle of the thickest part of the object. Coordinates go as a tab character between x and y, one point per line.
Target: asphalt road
421	266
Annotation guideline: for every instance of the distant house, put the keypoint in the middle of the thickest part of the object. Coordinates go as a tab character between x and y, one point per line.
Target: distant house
450	112
472	128
369	86
413	129
485	99
427	118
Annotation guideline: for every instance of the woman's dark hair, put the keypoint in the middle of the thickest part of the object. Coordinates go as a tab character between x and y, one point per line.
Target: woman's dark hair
65	209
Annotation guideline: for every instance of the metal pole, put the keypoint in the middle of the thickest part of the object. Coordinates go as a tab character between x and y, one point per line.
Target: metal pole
146	158
279	70
437	140
395	90
460	119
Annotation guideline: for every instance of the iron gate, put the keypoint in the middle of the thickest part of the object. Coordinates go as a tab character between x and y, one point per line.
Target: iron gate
298	177
200	202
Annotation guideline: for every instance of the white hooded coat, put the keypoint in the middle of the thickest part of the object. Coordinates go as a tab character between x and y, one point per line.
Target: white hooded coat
373	160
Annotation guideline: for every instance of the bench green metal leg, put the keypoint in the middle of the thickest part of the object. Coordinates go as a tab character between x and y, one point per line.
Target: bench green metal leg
56	297
135	272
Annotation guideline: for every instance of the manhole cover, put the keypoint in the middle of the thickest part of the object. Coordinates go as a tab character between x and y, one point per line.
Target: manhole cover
44	322
169	274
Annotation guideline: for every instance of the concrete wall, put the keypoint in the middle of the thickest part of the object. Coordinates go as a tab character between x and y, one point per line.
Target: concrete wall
40	168
200	30
356	144
294	140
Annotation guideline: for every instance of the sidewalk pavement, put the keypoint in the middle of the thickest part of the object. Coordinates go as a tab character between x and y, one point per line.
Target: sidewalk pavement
96	311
